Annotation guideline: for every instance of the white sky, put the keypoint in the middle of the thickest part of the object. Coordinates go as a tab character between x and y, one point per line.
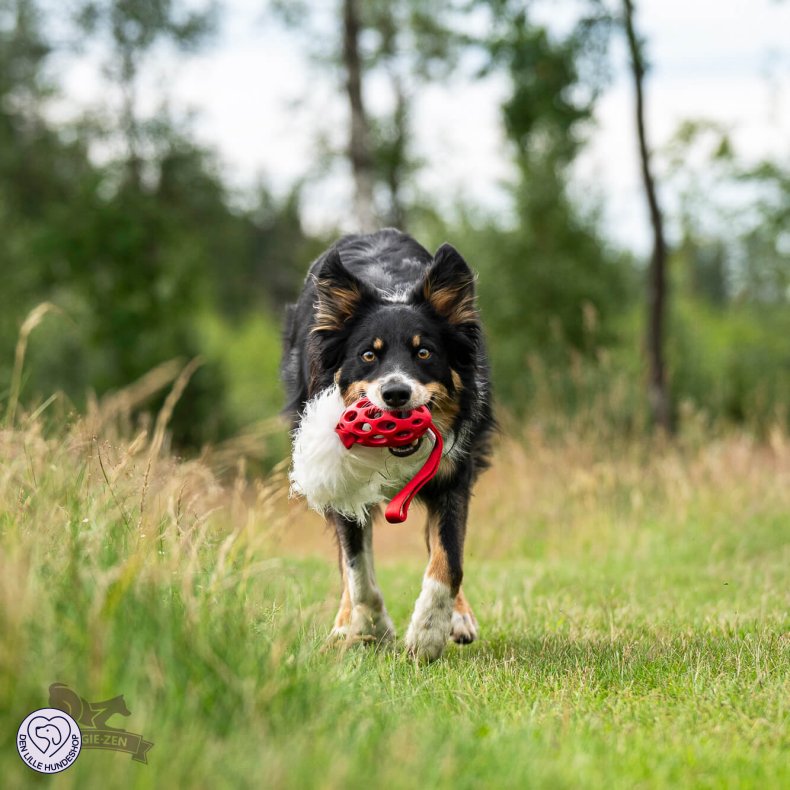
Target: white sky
262	107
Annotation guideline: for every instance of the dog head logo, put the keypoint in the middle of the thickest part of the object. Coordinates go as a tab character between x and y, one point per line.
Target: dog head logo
49	736
49	740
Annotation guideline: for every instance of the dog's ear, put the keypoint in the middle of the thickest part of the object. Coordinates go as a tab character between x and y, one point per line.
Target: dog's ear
449	287
339	294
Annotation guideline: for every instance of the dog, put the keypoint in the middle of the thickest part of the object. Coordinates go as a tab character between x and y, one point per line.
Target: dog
380	317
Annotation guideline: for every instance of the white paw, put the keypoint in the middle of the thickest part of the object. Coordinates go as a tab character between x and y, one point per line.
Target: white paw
430	624
338	633
463	628
367	624
367	621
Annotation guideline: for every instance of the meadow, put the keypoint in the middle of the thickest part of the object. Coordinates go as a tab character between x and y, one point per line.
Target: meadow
633	600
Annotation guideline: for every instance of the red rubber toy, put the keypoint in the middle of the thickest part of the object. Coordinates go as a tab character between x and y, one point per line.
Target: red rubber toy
368	425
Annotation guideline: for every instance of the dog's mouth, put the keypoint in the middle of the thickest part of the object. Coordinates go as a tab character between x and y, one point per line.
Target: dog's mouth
407	450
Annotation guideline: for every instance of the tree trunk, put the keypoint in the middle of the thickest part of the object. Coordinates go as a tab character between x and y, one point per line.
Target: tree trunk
359	153
658	389
129	124
398	163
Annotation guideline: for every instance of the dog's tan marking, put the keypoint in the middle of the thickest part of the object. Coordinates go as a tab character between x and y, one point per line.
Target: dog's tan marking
464	623
337	375
343	618
335	306
378	344
447	467
416	341
362	615
355	391
457	383
431	622
445	407
455	302
461	604
437	390
438	565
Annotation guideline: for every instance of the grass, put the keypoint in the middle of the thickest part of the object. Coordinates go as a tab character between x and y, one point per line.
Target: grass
633	603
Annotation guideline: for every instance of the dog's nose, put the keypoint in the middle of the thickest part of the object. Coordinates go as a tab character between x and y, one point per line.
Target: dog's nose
396	394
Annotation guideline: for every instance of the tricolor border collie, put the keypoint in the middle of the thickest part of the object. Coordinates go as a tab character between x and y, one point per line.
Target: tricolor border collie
380	316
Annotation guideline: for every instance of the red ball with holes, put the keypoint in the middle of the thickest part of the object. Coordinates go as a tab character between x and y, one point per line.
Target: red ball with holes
368	425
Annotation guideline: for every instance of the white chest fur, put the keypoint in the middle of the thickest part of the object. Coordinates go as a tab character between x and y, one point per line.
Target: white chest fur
349	481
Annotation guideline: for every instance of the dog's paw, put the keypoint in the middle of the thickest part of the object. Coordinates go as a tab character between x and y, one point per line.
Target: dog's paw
339	633
366	624
430	624
463	628
426	641
367	621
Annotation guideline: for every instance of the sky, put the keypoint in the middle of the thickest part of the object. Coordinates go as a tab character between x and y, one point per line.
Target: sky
255	98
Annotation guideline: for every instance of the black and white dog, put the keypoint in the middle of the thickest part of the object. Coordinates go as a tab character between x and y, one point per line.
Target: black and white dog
380	317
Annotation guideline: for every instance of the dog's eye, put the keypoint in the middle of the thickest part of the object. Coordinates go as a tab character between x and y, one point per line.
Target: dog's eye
423	353
368	356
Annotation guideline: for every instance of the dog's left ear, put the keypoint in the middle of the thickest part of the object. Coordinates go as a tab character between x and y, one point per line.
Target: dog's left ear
449	287
339	295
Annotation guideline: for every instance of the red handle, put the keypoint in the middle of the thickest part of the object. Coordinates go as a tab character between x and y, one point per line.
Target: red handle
398	508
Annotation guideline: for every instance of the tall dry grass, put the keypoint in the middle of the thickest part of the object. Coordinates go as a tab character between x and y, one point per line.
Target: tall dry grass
555	492
100	501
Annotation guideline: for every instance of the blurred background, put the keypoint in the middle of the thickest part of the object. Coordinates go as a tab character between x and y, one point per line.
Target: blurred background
169	168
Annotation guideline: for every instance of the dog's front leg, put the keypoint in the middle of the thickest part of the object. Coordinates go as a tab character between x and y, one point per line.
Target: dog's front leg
431	622
362	614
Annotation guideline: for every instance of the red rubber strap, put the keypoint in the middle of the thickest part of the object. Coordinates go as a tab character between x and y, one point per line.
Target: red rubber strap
398	508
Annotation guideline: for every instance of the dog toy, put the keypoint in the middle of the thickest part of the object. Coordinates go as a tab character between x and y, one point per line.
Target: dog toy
366	424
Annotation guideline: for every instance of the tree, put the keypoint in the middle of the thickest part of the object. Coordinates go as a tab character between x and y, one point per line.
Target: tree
402	43
40	171
138	250
415	42
359	153
549	285
132	28
658	387
123	247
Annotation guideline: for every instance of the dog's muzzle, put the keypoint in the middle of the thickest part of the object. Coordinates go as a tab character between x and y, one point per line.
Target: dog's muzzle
409	449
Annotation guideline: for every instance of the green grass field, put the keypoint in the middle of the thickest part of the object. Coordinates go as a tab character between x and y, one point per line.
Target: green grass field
633	604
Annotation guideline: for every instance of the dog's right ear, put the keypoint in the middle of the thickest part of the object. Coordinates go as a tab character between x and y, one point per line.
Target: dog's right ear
449	287
339	294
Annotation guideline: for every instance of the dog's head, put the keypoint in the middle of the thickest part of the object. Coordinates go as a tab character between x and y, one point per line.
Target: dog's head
418	350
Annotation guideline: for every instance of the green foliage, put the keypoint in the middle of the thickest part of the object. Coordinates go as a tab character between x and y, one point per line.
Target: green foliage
550	287
733	365
132	251
274	269
733	218
248	355
135	26
549	294
765	241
